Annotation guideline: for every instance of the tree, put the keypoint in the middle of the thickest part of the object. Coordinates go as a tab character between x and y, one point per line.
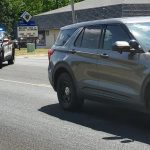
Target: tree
12	9
54	4
6	19
36	6
18	6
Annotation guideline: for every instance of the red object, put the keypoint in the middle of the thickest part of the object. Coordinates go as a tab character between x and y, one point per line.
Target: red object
50	52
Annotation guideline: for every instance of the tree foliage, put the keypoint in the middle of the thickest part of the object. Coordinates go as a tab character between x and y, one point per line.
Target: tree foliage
6	18
12	9
54	4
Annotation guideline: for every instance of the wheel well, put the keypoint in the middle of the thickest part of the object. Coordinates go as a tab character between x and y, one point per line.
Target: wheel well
57	74
147	95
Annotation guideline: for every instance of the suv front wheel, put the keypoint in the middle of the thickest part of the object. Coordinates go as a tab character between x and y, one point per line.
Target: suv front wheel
1	60
12	59
66	93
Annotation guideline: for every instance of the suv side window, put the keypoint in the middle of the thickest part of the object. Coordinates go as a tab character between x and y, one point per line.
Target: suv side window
114	33
89	38
64	36
79	39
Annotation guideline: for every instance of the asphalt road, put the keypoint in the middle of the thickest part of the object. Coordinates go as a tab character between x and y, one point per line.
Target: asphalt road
30	117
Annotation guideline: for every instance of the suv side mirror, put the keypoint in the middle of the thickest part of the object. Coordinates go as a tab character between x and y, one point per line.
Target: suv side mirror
121	46
134	44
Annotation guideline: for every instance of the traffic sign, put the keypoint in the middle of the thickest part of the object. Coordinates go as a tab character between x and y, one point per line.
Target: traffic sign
27	31
23	23
26	27
26	16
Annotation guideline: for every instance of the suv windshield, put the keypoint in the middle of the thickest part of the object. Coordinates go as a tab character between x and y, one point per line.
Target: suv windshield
141	32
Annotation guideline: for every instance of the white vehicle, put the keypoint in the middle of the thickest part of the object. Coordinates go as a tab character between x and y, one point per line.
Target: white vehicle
7	49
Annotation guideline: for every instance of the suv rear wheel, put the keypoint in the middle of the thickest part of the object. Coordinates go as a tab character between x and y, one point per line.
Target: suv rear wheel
66	93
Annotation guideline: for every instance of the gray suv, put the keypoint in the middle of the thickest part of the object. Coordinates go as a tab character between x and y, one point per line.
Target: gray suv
103	60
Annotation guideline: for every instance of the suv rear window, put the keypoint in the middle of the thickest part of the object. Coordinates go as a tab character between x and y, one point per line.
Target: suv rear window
89	38
64	36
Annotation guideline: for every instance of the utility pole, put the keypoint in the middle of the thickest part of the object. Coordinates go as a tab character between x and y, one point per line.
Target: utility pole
73	11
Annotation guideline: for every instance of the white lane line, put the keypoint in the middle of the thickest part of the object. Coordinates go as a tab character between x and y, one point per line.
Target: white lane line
26	83
34	57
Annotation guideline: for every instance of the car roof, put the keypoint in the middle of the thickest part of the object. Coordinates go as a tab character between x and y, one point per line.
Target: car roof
109	21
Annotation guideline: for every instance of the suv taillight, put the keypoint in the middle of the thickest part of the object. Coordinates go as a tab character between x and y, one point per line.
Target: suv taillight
50	53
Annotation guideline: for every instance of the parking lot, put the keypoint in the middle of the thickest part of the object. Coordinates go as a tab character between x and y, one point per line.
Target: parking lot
30	117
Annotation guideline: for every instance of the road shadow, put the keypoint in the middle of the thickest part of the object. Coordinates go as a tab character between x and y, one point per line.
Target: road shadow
4	65
124	124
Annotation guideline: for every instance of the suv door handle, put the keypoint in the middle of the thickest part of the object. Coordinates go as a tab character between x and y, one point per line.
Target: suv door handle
104	55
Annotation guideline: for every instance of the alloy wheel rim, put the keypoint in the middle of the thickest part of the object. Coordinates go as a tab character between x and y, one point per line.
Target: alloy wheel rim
65	92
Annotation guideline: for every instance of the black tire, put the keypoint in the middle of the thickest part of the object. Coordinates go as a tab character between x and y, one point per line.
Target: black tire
66	93
1	60
12	60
